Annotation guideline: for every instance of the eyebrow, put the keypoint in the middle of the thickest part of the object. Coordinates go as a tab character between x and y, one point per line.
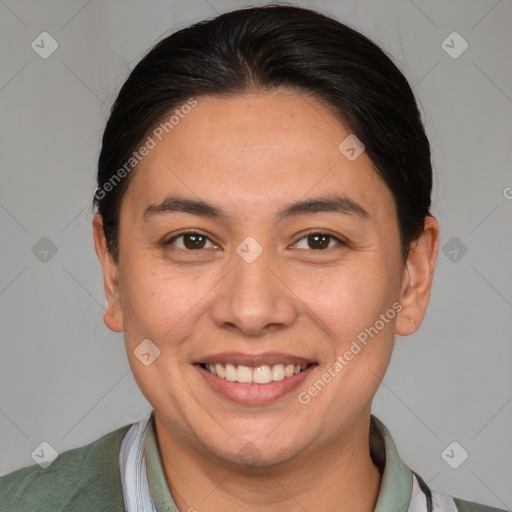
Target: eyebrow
325	203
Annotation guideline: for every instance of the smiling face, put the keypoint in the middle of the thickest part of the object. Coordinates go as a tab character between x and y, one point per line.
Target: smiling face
249	243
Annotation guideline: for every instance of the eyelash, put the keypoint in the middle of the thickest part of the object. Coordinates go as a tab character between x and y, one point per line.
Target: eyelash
304	236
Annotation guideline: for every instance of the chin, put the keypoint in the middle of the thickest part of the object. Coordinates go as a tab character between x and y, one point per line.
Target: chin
258	453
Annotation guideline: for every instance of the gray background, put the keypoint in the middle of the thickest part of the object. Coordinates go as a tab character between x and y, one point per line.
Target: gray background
64	376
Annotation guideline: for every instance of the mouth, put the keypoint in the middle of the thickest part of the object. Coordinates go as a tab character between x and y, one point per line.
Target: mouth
262	374
254	380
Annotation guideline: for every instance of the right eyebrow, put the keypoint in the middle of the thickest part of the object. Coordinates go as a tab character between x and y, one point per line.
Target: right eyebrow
177	204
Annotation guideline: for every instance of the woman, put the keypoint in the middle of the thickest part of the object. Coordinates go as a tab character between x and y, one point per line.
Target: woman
264	231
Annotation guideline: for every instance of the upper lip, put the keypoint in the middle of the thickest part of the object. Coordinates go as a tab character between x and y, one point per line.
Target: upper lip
254	360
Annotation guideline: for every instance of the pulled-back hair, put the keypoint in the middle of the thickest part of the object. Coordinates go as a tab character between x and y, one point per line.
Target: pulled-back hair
263	49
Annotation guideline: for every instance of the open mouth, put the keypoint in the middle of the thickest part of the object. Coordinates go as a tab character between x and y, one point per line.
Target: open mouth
261	374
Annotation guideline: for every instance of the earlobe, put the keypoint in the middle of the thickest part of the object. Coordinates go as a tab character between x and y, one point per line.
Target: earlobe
110	320
417	279
113	316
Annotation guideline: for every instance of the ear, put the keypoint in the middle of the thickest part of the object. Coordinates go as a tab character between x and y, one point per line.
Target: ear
417	279
113	316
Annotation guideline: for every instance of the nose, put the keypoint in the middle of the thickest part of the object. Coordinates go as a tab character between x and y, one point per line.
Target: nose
254	299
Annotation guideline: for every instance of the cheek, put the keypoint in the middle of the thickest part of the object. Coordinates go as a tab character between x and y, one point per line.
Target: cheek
159	304
159	307
358	305
352	298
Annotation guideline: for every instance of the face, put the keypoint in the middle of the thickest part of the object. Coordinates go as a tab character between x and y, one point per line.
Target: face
264	267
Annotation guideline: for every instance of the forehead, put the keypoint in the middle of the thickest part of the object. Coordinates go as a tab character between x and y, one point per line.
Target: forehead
278	122
255	150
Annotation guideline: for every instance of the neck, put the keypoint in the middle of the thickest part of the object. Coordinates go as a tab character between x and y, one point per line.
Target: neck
339	475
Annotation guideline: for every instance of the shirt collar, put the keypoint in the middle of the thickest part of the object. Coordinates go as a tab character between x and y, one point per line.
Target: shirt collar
156	476
396	484
395	490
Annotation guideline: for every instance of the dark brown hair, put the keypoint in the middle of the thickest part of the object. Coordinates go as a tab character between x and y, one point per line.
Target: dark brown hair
266	48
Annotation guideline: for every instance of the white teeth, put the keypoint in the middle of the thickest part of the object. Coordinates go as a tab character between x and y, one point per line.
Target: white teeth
244	374
263	374
278	372
220	370
230	372
288	370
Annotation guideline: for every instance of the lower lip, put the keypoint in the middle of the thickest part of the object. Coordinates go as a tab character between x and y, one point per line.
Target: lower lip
254	394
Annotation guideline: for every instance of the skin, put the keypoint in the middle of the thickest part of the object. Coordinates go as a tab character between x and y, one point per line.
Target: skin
252	156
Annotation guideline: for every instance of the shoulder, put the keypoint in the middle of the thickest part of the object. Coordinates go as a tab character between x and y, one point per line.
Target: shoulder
83	479
469	506
437	501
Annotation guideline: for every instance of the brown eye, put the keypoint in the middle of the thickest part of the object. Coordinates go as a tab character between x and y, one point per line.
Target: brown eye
190	241
194	241
318	241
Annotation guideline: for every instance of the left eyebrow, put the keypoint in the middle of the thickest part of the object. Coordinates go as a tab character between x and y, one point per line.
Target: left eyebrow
324	203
